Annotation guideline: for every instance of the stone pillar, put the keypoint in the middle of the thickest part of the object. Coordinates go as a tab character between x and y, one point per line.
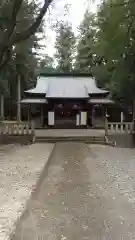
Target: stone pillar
18	99
2	107
122	117
106	123
122	120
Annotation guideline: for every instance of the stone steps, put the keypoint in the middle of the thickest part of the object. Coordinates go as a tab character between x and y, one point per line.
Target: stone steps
85	139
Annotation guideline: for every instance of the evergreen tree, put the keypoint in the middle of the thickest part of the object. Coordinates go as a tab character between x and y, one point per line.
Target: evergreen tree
65	47
85	48
46	65
23	60
116	48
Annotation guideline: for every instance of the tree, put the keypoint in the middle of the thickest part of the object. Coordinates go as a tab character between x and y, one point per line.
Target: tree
106	48
46	65
23	61
65	47
9	36
46	62
116	45
85	54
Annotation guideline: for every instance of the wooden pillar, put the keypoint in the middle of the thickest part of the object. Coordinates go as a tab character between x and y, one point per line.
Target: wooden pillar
42	115
18	99
92	116
2	107
29	113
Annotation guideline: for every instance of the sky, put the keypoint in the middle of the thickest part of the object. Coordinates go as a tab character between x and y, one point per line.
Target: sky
75	15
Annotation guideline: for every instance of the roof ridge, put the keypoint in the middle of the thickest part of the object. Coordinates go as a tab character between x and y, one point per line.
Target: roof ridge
71	74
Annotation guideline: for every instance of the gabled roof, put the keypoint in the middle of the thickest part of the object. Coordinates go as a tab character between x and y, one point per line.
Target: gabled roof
66	87
69	88
41	86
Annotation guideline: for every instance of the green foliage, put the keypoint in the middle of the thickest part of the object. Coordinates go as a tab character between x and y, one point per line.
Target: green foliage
23	60
116	23
15	26
85	55
46	65
65	47
106	47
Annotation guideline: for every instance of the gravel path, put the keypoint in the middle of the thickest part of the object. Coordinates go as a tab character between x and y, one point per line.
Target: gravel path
20	168
88	194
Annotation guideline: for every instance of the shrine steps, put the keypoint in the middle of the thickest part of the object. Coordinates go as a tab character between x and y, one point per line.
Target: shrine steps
86	139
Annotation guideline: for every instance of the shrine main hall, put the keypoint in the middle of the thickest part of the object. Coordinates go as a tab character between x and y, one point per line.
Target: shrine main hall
65	101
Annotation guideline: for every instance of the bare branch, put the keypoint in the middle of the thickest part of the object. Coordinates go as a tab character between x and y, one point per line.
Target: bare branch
18	37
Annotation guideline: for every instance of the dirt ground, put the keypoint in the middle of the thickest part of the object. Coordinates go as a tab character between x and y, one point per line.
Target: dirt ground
89	193
20	169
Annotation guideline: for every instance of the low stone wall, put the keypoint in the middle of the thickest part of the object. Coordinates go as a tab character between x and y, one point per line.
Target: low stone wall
15	132
13	139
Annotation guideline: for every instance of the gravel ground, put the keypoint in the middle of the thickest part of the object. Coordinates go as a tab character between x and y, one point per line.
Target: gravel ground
118	167
88	194
20	168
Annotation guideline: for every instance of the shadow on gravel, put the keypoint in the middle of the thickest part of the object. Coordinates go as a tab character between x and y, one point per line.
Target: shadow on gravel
34	193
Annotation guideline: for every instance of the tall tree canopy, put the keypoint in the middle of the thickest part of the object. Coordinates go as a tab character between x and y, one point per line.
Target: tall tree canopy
116	38
87	32
65	46
23	55
46	65
106	47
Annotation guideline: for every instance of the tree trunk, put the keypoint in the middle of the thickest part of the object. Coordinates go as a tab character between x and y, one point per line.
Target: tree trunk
9	37
18	98
2	107
133	113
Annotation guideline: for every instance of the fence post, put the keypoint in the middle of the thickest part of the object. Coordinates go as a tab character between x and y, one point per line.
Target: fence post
18	99
106	125
121	120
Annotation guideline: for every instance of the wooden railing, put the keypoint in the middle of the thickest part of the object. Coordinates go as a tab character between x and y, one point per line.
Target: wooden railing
120	127
15	128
